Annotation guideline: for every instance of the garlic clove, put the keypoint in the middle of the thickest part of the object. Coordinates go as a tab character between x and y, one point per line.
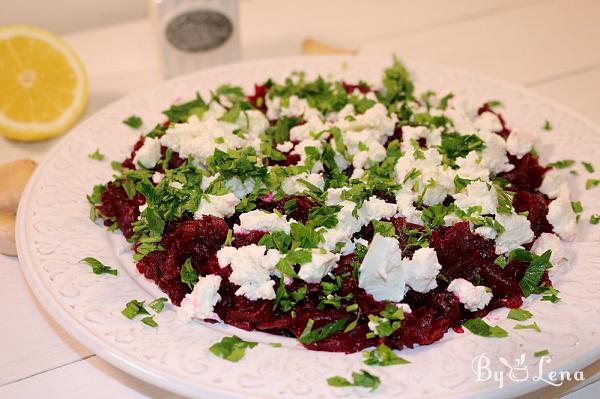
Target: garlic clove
7	233
13	178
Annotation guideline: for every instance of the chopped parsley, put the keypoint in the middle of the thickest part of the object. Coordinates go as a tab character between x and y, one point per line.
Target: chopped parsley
594	219
543	352
98	267
588	166
149	321
189	275
158	304
479	327
134	308
566	163
386	229
310	336
361	379
591	183
134	122
519	314
535	269
547	125
382	356
96	155
532	326
231	348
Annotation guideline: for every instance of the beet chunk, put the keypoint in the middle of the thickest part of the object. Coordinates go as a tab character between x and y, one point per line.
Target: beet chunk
116	204
303	206
537	206
527	174
196	239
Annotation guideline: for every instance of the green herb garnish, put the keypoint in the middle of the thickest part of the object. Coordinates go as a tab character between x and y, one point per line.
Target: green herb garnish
98	267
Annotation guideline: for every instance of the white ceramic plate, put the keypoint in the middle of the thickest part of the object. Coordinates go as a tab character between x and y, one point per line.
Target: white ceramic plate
54	233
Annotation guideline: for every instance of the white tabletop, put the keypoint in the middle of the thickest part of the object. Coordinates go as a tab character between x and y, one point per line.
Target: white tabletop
550	46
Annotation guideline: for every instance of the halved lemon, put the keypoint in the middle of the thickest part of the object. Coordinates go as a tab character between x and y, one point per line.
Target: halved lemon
43	85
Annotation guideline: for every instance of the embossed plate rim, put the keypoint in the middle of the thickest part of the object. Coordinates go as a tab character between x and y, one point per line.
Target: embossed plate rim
146	371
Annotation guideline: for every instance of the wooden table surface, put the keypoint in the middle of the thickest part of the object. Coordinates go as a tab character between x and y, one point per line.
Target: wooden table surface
549	46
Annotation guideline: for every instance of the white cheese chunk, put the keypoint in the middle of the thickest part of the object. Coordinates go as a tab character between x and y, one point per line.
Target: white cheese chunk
263	221
157	177
221	206
292	184
562	218
520	142
517	231
240	188
471	167
285	147
380	272
421	271
200	303
555	184
252	267
319	266
148	154
472	297
478	194
375	209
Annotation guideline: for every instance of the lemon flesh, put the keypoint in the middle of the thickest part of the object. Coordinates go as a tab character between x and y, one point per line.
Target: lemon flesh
43	85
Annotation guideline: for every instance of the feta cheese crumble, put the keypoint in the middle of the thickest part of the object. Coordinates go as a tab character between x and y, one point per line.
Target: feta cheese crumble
200	303
562	218
517	231
221	206
251	266
263	221
386	276
380	272
149	153
472	297
321	264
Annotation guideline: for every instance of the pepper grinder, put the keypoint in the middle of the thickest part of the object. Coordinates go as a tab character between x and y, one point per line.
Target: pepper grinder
195	34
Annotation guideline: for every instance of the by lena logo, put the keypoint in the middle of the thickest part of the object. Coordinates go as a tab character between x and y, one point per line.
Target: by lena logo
518	371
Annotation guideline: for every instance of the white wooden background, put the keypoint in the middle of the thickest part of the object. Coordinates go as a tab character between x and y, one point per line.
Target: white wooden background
550	46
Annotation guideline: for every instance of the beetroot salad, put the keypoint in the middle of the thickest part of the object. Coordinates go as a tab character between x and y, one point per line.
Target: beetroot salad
346	215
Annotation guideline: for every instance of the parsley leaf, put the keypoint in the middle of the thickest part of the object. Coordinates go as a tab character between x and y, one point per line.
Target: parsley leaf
594	219
231	348
310	336
541	353
189	275
134	122
158	304
149	321
386	229
181	112
547	125
98	267
479	327
519	314
532	326
534	271
134	308
96	155
362	379
455	145
591	183
382	356
588	166
565	163
576	206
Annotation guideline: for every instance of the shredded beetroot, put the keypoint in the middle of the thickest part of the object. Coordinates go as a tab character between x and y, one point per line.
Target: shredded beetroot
461	253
